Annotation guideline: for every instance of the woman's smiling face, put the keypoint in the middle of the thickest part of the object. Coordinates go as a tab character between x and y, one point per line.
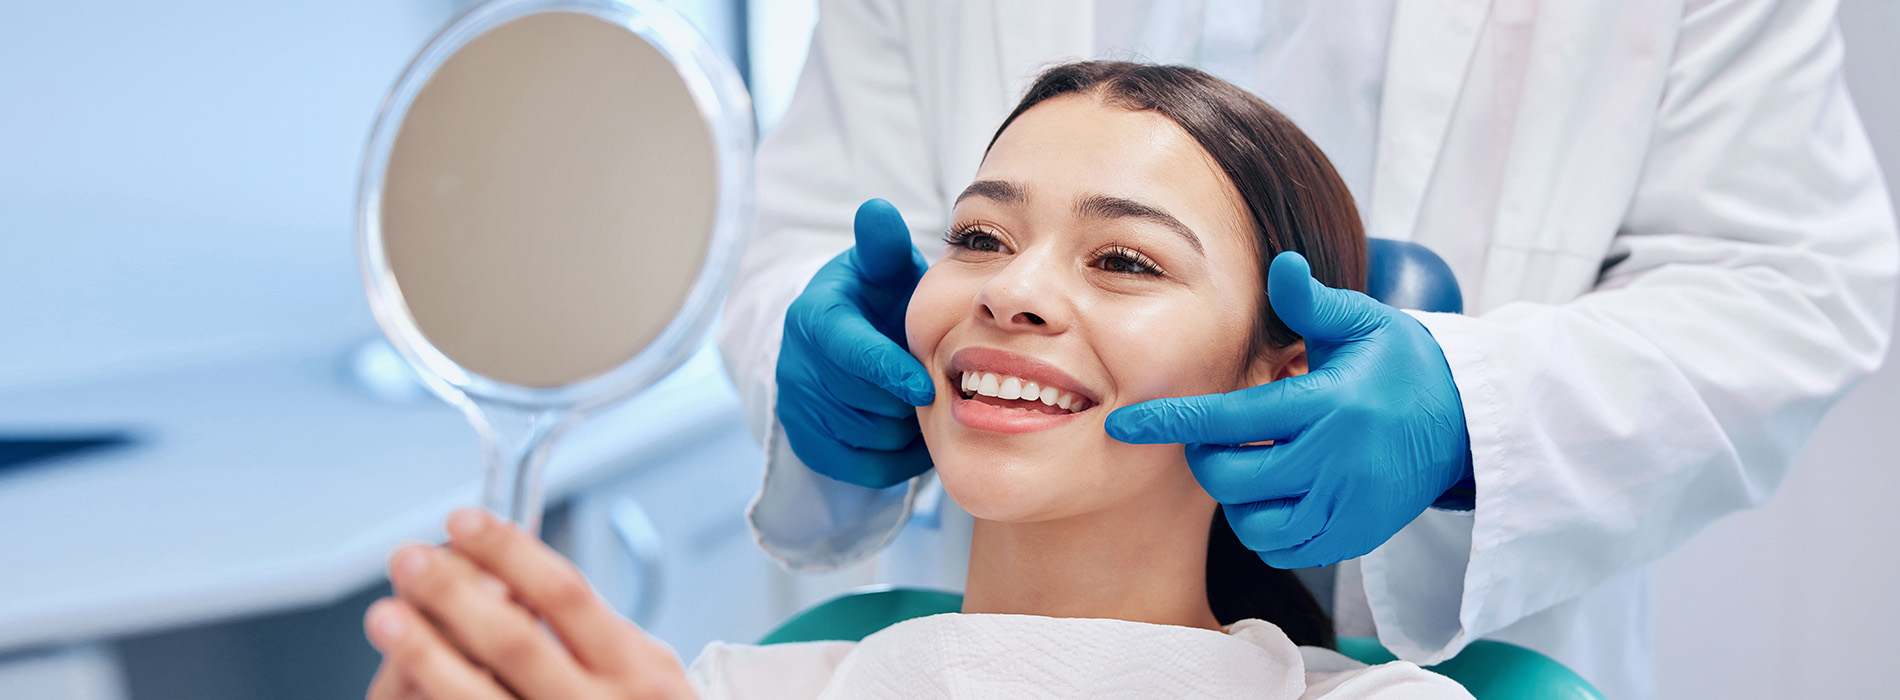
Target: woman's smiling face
1102	256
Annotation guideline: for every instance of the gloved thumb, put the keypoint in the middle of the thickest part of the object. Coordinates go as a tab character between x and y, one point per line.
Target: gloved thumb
883	252
1315	311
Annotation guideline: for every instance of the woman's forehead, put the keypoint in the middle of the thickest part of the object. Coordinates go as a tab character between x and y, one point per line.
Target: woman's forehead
1074	147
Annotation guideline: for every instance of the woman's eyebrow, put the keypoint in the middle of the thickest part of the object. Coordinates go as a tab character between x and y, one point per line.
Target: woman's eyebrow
1101	206
1001	191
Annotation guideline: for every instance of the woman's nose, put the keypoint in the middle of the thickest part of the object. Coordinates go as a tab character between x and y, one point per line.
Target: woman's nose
1026	296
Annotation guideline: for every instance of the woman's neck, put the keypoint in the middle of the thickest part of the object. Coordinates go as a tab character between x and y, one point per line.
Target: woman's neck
1145	562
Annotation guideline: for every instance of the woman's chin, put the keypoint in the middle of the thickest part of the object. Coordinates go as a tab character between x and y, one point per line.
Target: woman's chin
1002	492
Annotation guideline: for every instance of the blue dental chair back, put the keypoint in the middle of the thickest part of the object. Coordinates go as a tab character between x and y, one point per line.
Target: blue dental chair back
1490	670
1410	276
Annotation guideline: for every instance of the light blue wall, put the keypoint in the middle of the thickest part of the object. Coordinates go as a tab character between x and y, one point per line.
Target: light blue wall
177	178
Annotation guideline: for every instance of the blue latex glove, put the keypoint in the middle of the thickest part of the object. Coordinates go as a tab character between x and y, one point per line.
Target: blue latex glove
847	388
1369	438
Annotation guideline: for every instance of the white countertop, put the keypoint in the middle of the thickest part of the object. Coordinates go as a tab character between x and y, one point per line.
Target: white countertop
260	485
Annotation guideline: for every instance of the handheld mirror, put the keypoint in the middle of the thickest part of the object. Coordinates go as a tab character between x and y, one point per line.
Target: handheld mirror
551	207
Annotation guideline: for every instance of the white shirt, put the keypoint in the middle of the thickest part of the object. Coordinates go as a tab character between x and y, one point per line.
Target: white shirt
1025	656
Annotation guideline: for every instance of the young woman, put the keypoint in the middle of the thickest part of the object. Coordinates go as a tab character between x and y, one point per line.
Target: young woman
1112	249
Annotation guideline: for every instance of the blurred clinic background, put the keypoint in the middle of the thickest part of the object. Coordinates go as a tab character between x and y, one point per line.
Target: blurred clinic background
180	303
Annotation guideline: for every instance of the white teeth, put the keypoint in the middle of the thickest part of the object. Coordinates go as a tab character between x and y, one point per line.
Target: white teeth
1012	388
1003	386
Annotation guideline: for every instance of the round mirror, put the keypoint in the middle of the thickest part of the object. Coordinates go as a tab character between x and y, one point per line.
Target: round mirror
552	204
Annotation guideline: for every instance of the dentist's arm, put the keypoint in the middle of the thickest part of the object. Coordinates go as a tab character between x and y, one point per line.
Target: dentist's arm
855	131
1750	285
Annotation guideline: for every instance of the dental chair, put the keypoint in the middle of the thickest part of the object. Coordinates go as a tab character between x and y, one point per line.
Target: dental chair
1490	670
1401	274
1410	276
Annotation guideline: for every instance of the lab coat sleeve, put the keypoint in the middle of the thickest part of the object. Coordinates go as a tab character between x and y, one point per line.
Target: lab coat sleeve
853	132
1750	286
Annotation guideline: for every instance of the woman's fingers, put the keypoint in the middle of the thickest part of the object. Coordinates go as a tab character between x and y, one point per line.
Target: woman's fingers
389	684
554	589
423	657
473	611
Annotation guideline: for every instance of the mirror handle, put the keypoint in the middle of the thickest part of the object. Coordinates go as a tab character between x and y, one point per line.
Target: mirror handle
516	443
642	542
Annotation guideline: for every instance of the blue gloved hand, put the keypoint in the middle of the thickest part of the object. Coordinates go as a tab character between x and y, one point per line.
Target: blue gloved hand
1363	442
847	388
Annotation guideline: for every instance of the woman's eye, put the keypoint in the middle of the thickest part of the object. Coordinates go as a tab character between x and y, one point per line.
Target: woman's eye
1127	262
974	239
983	242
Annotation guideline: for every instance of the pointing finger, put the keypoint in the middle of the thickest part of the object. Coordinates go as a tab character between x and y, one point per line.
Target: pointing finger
848	340
877	469
855	394
1272	411
845	425
1249	474
1324	549
1266	526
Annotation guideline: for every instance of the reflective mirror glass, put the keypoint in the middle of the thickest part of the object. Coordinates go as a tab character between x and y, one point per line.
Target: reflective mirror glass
552	205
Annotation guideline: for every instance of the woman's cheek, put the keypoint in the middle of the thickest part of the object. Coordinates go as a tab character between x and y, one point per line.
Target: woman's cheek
931	314
1157	370
916	318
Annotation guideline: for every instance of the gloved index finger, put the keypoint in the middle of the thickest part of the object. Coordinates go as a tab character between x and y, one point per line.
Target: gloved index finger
1273	411
861	350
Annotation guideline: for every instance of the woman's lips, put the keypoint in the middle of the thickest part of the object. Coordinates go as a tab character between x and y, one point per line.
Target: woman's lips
1017	392
1026	404
979	361
977	414
1004	392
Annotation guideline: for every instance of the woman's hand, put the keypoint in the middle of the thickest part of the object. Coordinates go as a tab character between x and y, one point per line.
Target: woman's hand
466	623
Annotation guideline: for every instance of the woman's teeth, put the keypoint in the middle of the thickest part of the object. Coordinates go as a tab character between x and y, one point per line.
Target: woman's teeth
1006	387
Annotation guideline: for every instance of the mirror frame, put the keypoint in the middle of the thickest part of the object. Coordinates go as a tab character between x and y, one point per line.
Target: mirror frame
724	106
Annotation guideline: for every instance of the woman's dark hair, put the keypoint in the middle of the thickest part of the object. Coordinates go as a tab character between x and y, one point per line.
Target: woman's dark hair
1297	202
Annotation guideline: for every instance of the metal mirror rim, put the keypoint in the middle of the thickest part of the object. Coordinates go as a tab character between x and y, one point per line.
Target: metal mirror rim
724	106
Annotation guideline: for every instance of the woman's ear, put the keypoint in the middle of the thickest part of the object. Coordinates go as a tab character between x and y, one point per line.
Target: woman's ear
1276	365
1295	363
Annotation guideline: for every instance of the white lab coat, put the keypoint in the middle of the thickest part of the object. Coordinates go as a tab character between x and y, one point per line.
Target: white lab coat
1675	246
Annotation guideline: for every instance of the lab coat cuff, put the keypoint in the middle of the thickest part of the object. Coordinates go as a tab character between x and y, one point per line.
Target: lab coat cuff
1475	373
1426	586
813	523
